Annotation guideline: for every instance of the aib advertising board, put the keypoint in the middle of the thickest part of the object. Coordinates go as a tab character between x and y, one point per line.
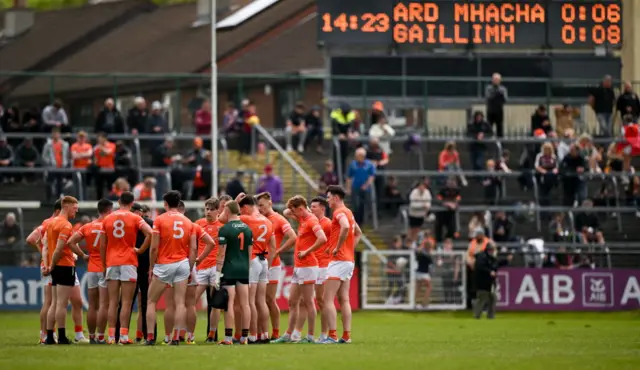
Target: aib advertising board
520	289
21	289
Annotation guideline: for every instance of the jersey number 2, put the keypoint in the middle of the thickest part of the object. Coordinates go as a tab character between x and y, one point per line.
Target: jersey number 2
263	229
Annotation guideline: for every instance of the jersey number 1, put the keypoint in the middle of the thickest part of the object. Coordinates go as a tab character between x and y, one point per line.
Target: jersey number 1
241	240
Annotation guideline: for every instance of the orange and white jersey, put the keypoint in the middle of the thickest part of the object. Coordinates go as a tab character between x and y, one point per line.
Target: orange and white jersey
212	229
262	230
121	229
307	229
175	231
91	233
347	251
323	254
280	227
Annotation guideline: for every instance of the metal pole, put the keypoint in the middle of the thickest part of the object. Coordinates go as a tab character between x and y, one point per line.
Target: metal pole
214	103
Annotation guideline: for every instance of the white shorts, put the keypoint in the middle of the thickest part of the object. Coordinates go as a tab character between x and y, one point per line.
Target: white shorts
258	271
322	275
340	270
95	280
77	283
170	273
206	276
423	276
122	273
192	277
274	274
304	275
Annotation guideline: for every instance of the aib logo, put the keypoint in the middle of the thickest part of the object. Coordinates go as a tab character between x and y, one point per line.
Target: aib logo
597	289
502	289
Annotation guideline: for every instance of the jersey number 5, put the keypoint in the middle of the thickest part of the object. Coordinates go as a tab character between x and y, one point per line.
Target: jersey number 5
178	231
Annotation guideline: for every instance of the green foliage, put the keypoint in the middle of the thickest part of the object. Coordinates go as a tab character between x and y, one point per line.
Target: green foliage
61	4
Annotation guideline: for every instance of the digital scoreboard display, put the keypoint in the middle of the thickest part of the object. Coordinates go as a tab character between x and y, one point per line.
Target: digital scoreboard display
519	24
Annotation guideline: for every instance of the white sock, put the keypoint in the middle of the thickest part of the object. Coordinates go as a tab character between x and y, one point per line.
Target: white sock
252	338
296	334
43	335
323	336
190	336
166	338
228	339
286	335
310	337
79	335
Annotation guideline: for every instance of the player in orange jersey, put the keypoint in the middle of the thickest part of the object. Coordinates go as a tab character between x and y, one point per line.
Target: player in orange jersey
283	232
264	243
319	208
60	265
206	270
173	254
119	256
96	283
310	238
345	235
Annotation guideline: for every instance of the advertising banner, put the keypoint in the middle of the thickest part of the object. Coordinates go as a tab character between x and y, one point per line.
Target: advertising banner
521	289
21	289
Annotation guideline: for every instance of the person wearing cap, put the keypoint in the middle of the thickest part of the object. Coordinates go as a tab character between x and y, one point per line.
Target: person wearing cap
109	119
313	121
137	116
271	184
485	269
196	157
6	157
377	112
296	128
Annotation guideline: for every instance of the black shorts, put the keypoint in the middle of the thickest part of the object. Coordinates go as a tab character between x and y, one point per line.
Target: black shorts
63	275
415	222
233	282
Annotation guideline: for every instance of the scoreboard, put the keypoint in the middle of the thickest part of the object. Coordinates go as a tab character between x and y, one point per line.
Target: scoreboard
495	24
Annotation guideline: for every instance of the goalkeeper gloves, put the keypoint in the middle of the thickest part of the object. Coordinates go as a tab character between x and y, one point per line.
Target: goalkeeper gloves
219	276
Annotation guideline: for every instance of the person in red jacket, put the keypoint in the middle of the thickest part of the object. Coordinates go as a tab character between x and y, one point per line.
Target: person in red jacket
202	119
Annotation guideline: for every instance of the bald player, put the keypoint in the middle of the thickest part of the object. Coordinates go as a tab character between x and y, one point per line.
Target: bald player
283	232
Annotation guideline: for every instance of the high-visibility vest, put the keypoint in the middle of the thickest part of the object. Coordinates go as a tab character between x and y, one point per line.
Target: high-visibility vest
475	248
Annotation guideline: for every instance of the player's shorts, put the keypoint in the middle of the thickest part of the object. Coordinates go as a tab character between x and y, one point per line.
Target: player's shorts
77	283
322	275
233	282
423	276
258	270
96	280
304	275
122	273
274	274
340	270
63	275
170	273
192	277
206	276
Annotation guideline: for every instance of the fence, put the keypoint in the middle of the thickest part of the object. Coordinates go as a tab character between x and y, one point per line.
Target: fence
432	101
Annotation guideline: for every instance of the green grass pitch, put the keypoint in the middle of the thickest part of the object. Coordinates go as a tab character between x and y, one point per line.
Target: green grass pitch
382	340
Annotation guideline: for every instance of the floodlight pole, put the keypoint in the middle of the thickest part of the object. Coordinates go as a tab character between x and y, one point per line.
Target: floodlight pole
214	104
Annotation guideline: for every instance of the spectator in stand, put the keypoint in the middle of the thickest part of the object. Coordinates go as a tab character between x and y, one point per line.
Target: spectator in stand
54	116
342	121
628	102
6	159
146	190
27	155
109	119
202	119
383	131
419	205
31	120
271	184
503	228
234	186
602	99
82	156
161	156
105	156
546	165
55	154
566	116
572	169
10	123
561	229
540	120
329	176
477	131
449	197
250	120
202	178
138	116
360	177
157	123
568	139
230	119
196	156
124	162
503	161
10	232
588	225
313	121
496	96
590	153
492	184
119	186
477	221
377	112
564	260
393	198
296	128
449	159
380	159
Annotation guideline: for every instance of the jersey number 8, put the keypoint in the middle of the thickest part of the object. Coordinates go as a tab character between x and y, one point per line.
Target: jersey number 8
118	229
